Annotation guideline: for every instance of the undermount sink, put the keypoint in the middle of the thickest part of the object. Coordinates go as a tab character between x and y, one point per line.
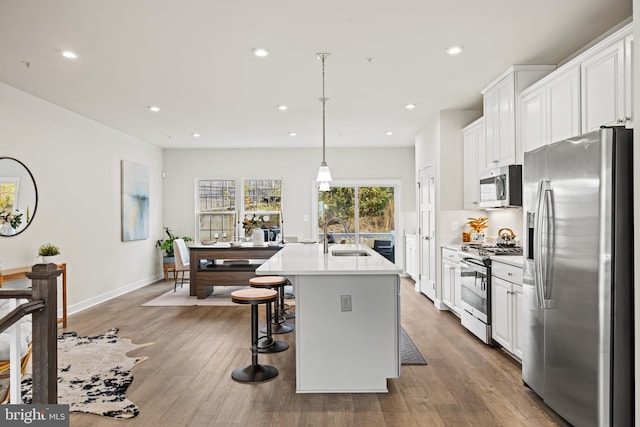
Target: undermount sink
349	252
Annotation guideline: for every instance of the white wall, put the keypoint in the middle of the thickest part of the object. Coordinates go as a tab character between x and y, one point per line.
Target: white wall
76	165
440	143
296	167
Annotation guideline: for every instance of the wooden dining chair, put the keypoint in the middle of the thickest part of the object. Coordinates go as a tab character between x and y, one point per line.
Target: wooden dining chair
182	261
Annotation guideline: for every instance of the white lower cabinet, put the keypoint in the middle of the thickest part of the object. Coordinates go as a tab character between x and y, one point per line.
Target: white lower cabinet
451	281
411	256
506	307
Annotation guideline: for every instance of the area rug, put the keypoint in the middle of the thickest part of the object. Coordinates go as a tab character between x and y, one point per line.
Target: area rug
409	353
94	374
221	296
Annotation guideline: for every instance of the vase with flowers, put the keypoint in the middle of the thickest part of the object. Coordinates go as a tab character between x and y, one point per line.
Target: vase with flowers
478	225
10	221
251	222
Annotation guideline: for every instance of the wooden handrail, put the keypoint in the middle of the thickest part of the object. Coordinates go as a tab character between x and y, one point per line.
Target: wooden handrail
15	293
19	312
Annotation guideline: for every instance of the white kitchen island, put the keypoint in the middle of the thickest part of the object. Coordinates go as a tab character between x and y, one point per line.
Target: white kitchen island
347	317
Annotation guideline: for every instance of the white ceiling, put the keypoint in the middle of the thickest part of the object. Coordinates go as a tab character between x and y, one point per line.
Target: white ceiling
193	58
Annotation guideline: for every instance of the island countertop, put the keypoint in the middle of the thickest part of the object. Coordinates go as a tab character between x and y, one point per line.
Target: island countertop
309	259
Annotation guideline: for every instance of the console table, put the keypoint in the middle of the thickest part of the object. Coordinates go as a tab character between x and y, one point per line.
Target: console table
20	273
211	266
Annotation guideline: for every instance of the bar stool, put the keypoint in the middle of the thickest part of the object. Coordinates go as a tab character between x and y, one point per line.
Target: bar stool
254	373
278	283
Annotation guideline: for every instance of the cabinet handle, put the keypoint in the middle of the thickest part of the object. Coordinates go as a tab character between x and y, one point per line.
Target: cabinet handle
628	118
620	121
509	274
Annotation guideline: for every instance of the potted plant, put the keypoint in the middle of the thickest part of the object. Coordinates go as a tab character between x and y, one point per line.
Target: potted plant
48	252
167	244
478	225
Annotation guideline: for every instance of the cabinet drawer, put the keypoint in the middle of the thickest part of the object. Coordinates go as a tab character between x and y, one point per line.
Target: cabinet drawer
450	255
507	272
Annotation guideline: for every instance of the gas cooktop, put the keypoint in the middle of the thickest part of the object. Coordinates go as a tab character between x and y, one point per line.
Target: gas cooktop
487	251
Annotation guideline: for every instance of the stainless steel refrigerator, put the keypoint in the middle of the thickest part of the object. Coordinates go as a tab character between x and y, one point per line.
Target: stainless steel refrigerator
578	277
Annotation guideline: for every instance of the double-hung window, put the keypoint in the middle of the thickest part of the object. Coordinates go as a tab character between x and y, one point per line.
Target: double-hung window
262	207
215	209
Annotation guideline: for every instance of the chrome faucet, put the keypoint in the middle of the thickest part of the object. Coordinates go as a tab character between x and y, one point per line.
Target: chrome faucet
326	224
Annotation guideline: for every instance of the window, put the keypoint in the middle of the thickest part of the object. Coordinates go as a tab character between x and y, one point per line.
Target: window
368	209
262	207
216	209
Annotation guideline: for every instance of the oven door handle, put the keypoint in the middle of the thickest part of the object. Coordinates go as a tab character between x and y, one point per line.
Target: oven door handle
474	265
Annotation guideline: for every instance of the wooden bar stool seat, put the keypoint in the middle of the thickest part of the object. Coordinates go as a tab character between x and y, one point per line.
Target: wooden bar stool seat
279	319
255	372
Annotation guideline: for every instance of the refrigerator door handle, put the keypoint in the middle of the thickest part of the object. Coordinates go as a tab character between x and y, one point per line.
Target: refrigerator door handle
549	247
537	247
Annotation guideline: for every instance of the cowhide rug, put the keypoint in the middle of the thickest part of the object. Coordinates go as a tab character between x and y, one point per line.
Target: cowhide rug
94	374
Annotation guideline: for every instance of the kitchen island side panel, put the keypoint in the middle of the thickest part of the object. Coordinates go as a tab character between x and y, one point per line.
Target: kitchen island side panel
347	351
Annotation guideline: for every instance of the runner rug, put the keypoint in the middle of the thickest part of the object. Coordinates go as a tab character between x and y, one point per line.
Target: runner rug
94	373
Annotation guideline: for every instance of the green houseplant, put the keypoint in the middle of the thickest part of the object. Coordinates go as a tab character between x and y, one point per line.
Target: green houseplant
48	251
166	245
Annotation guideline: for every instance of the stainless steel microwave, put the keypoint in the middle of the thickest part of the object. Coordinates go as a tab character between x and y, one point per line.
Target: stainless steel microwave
501	187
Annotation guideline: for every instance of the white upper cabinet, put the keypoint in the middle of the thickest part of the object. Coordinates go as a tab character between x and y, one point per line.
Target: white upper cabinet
473	143
500	130
500	112
563	105
533	127
550	112
602	78
593	89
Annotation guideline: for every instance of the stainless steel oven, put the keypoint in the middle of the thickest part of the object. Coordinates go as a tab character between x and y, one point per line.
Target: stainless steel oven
476	297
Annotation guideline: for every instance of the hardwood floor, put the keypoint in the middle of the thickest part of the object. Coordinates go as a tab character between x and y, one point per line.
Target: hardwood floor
187	379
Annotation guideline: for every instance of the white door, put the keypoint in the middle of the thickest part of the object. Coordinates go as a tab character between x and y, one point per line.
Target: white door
427	232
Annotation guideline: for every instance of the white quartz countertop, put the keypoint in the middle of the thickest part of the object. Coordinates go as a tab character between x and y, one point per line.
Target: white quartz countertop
309	259
517	261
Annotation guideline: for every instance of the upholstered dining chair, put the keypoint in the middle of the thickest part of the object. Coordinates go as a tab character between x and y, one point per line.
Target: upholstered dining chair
182	261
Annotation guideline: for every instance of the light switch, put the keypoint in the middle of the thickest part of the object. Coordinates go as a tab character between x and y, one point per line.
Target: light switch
345	302
305	218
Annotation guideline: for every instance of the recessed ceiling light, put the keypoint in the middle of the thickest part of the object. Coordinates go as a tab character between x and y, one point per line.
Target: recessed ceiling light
282	107
195	135
69	54
389	133
454	50
154	108
410	106
292	134
260	52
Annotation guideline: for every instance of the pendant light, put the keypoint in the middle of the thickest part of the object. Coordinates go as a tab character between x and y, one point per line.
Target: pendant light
324	175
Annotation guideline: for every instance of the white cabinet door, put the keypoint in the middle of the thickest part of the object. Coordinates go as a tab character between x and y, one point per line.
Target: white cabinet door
448	272
533	124
473	142
457	290
518	307
500	126
602	81
628	80
563	101
501	312
411	256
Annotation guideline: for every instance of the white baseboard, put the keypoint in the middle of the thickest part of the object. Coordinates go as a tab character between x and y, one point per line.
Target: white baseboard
440	305
98	299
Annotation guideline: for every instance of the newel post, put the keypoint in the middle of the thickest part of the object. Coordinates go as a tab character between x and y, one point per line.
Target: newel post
44	283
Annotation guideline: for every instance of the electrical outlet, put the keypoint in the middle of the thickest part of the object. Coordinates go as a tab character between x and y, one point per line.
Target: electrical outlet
455	225
305	218
345	302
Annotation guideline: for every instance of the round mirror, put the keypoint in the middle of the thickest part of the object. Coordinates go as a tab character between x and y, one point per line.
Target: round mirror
18	197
